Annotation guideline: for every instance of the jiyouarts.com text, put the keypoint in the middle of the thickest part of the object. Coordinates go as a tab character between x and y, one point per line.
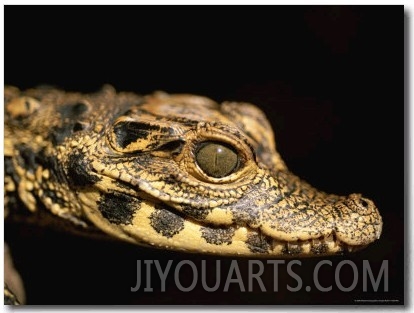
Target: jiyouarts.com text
187	275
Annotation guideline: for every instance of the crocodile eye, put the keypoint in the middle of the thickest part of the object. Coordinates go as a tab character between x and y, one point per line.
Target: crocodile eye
216	159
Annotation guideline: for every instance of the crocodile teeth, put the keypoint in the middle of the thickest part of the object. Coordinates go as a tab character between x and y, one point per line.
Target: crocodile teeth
316	246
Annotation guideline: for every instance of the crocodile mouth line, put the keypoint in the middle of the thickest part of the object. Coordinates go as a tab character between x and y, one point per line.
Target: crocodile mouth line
323	245
260	244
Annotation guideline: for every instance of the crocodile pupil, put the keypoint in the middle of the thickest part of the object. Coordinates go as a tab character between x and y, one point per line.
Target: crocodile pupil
216	160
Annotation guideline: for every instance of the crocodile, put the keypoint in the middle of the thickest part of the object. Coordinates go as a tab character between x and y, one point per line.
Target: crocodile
169	171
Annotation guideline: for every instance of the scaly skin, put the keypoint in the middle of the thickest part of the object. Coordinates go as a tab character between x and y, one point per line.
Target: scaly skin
132	167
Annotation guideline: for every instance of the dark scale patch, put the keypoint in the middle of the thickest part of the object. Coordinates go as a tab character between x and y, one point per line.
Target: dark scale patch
78	126
26	157
154	143
79	171
319	248
168	179
72	110
10	171
58	134
258	243
69	114
244	213
174	147
127	132
13	203
292	250
118	208
217	236
52	164
124	185
166	222
196	213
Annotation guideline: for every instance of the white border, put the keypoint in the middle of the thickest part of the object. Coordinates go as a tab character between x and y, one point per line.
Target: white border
409	293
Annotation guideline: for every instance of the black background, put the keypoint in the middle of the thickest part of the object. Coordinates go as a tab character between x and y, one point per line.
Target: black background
330	79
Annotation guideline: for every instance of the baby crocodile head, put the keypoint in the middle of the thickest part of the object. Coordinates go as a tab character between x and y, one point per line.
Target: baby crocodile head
183	172
176	172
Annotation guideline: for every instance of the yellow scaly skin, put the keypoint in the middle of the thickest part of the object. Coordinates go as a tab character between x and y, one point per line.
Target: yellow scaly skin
130	166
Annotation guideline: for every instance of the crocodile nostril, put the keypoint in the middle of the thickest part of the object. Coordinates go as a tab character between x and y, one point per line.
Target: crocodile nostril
364	203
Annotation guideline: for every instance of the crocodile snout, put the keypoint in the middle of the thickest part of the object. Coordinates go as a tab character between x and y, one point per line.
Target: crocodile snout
358	220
